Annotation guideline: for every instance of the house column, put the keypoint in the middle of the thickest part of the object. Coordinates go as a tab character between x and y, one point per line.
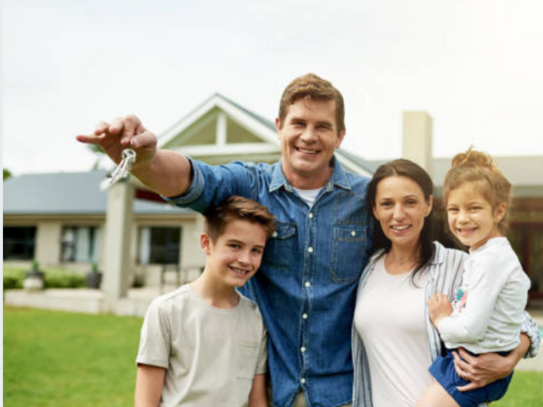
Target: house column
221	129
117	248
417	139
48	242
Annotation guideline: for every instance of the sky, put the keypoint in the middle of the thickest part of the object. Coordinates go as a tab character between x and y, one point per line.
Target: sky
474	66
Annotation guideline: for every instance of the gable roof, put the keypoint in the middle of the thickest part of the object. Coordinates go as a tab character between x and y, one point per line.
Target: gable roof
256	124
355	163
75	193
523	172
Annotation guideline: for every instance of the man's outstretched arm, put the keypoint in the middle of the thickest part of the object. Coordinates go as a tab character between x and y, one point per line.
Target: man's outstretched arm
165	172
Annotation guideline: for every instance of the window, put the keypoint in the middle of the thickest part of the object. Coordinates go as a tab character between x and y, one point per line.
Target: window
527	240
159	245
80	244
19	243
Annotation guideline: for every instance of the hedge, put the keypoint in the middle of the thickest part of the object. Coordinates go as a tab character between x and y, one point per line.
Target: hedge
54	278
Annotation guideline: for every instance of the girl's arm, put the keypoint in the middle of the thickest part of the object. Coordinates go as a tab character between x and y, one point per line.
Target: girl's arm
258	398
484	282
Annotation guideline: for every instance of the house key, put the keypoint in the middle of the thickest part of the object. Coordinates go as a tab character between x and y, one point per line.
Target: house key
123	169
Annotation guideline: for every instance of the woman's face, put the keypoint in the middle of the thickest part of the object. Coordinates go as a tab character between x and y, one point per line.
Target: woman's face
400	208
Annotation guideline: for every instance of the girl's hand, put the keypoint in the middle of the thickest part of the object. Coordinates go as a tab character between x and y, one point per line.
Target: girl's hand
439	307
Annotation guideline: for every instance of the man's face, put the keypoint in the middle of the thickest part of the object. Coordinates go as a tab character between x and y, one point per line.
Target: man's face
309	136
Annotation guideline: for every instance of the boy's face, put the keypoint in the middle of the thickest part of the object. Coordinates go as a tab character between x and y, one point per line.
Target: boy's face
236	254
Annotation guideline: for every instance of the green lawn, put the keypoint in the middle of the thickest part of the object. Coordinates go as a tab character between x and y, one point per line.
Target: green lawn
526	390
59	359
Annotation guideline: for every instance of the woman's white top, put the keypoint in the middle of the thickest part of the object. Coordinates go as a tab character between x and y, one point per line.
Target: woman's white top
390	319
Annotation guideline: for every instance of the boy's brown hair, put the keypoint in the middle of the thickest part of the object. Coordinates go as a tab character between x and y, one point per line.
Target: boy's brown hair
237	208
312	87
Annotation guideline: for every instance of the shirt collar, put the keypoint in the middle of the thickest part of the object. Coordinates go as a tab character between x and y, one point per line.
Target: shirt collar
439	254
338	178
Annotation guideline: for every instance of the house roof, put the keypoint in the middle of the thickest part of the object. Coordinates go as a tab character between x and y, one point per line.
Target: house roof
75	193
524	173
258	125
368	166
269	123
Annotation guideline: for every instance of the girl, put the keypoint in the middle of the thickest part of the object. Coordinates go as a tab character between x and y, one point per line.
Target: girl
487	313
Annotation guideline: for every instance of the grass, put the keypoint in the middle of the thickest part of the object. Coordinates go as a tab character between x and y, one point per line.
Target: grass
59	359
525	390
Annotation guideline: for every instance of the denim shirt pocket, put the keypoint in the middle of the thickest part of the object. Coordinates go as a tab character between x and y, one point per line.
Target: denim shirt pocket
278	250
348	256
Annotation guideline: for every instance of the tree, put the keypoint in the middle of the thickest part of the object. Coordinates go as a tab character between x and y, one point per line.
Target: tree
7	174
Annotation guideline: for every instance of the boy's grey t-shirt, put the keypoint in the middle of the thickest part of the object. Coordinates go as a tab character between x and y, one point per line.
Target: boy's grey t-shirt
211	355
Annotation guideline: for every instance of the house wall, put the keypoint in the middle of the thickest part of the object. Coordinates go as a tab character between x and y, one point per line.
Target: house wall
48	242
48	239
191	258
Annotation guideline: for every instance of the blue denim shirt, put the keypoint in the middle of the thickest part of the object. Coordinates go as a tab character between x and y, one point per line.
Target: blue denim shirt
306	285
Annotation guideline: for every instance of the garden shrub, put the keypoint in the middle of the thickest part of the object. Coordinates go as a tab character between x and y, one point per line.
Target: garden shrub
13	278
59	278
54	278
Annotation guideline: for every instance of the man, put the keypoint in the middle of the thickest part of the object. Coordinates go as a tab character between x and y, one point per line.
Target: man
306	286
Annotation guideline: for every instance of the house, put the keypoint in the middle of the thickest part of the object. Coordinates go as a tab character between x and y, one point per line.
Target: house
60	218
74	219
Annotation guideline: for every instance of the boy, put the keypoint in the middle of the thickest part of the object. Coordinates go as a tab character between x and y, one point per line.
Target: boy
205	344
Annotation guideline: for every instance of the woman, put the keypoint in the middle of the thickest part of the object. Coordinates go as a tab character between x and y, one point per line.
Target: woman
393	339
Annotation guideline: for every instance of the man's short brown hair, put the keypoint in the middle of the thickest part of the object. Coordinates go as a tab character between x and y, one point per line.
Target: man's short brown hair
237	208
312	87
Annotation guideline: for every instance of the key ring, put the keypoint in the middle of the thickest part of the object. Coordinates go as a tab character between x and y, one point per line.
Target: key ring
128	154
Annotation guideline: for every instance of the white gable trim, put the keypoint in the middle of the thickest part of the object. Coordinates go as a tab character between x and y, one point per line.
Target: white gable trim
221	130
239	116
228	149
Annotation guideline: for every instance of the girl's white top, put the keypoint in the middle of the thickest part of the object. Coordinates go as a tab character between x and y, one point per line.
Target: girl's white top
488	312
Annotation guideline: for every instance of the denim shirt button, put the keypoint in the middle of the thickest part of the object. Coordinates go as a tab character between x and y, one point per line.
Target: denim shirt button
274	234
302	380
310	249
353	233
302	349
310	215
307	284
304	316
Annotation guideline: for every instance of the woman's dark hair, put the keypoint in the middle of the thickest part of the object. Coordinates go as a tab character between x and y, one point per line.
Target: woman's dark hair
402	168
